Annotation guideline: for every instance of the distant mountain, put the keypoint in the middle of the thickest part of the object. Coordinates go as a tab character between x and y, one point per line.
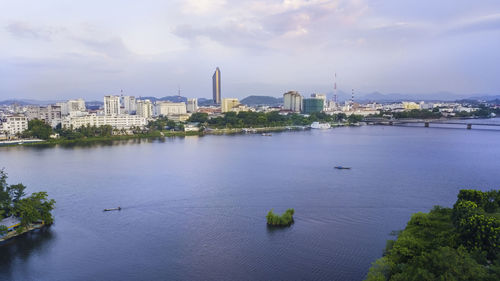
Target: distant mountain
261	100
205	102
26	102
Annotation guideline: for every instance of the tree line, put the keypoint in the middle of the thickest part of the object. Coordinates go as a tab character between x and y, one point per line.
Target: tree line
249	119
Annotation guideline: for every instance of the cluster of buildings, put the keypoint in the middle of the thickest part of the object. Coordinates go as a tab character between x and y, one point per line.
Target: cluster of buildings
127	112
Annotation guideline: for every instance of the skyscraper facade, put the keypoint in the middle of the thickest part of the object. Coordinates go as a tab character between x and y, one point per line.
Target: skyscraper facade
216	86
111	105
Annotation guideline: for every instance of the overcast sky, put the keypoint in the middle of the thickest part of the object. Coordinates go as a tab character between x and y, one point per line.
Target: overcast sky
67	49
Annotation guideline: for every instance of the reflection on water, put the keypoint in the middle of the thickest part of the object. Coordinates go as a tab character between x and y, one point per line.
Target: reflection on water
195	208
23	247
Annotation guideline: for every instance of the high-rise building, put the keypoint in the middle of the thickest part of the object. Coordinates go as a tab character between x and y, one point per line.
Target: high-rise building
129	104
228	104
145	108
321	97
292	101
216	86
312	105
192	105
111	105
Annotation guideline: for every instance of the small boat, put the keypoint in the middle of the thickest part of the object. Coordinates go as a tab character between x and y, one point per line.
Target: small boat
342	168
266	134
113	209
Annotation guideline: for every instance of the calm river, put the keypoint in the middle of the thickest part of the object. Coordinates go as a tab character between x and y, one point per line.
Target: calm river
194	208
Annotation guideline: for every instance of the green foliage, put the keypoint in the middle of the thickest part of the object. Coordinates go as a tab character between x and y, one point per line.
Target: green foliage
34	208
248	119
353	118
38	129
285	219
86	131
446	244
198	117
3	229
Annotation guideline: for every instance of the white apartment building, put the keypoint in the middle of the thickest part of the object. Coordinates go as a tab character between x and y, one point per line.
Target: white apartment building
228	104
111	105
77	105
192	105
144	108
129	104
14	124
51	114
165	108
116	121
292	101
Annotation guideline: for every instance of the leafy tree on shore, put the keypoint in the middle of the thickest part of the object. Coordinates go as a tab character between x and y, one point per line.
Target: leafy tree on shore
447	244
34	208
38	129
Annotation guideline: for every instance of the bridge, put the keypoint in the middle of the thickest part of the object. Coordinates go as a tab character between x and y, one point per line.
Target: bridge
427	122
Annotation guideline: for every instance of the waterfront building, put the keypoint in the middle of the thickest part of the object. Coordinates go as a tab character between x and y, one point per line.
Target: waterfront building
166	108
111	105
51	114
129	104
192	105
11	223
123	121
14	124
228	104
292	101
144	108
410	105
216	84
312	105
321	97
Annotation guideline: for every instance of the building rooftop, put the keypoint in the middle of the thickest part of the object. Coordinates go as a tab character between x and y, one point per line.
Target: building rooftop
10	222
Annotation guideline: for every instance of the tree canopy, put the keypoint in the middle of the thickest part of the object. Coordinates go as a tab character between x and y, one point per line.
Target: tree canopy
33	208
462	243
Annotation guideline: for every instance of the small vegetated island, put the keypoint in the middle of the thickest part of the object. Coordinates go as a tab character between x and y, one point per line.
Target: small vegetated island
20	213
286	219
459	243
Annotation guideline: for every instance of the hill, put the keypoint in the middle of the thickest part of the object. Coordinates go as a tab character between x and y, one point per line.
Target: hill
261	100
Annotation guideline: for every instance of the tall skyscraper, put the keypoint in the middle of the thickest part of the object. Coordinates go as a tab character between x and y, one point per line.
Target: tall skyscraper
216	86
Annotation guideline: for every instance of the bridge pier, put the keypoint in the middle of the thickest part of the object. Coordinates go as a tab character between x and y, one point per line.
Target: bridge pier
469	126
426	124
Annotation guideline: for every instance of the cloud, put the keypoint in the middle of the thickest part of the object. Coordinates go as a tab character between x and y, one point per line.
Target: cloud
489	22
26	31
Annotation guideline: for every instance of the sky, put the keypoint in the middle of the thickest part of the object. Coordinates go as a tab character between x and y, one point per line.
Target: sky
55	49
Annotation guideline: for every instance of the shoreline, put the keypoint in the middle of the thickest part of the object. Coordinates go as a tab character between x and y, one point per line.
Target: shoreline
13	234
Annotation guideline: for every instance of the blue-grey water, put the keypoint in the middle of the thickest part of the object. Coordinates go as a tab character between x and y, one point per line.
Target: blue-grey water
194	208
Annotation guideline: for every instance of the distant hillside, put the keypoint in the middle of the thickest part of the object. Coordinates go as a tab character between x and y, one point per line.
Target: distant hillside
167	98
261	100
26	102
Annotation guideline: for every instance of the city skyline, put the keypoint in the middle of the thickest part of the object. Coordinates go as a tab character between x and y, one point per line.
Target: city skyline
56	50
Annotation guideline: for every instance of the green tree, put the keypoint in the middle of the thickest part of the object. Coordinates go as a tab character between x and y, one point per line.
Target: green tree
38	129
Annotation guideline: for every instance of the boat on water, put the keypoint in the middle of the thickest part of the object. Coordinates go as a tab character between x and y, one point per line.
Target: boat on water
342	168
317	125
266	134
113	209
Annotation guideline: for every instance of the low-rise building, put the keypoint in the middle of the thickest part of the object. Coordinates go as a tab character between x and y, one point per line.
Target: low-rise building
165	108
228	104
122	121
14	124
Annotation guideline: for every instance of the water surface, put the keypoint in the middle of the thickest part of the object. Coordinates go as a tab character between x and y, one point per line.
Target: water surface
194	208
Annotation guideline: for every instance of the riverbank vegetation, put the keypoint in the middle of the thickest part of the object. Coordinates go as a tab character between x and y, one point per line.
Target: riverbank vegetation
35	208
286	219
249	119
459	243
